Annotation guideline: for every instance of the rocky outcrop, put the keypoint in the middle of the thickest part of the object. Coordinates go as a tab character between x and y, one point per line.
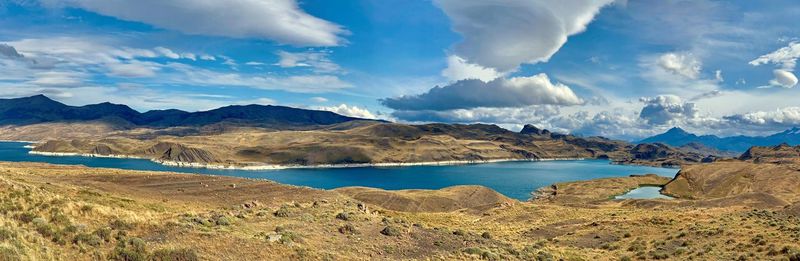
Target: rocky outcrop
658	154
168	151
782	153
529	129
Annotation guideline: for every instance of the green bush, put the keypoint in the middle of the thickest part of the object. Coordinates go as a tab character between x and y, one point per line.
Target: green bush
288	237
222	221
132	249
184	254
104	233
390	231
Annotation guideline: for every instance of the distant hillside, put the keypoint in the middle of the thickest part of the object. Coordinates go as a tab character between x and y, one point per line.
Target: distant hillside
40	109
678	137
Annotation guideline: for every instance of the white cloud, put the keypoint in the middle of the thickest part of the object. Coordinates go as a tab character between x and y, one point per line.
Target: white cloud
8	51
93	56
460	69
186	74
279	20
718	76
783	79
786	57
254	63
780	118
319	99
318	61
58	79
133	69
499	93
524	115
348	110
676	73
683	64
505	34
167	53
207	57
667	110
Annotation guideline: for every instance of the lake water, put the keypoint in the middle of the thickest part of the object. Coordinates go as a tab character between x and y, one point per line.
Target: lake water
647	192
513	179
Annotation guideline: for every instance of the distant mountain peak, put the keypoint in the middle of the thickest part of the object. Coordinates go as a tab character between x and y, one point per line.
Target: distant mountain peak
40	108
678	137
677	130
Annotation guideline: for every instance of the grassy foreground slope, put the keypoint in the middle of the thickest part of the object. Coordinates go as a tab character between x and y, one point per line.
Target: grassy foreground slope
50	212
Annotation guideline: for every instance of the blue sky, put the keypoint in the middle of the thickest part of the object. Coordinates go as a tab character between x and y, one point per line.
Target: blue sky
623	69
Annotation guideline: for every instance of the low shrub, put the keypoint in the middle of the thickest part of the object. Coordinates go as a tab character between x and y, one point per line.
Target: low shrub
390	231
87	239
104	233
343	216
282	212
132	249
348	229
222	221
119	224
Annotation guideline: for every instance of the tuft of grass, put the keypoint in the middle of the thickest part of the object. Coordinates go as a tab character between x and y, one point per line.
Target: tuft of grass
26	217
6	234
343	216
283	212
9	253
119	224
184	254
348	229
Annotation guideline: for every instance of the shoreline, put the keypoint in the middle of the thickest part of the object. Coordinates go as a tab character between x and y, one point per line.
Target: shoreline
20	141
280	167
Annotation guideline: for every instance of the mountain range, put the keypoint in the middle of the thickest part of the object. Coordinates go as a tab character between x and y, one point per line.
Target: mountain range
678	137
41	109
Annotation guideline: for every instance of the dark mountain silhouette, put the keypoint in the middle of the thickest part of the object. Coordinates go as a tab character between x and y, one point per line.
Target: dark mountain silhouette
39	109
678	137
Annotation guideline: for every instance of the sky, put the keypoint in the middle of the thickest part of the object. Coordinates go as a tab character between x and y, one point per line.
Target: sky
614	68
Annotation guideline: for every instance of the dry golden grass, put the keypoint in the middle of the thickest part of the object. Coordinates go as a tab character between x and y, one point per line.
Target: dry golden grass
154	213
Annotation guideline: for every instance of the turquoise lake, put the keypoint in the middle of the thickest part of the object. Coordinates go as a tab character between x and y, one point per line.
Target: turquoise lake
513	179
647	192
